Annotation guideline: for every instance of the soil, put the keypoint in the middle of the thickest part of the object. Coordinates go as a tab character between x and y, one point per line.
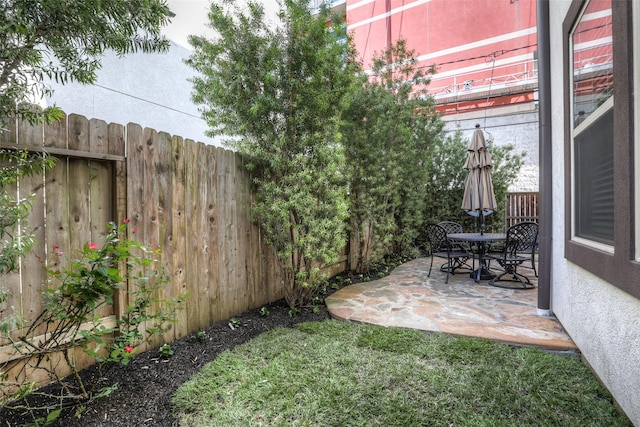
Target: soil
145	386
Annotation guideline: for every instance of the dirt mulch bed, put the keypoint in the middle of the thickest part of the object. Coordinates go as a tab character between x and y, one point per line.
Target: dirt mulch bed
145	386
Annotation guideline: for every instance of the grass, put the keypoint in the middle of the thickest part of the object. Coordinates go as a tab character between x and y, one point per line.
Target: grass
335	373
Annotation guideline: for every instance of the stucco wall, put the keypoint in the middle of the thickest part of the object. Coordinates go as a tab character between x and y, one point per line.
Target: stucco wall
602	320
517	126
149	89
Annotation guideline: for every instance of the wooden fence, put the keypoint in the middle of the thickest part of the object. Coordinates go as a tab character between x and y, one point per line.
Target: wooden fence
187	198
522	206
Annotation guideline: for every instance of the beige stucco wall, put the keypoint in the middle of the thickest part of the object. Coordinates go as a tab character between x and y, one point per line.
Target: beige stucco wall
602	320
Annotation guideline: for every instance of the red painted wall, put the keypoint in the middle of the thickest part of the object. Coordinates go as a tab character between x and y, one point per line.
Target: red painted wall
467	40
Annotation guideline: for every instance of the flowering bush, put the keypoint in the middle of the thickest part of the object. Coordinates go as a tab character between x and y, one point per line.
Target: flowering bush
122	271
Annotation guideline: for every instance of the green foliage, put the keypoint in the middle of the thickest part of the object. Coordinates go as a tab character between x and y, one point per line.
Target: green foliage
390	125
276	91
165	351
264	311
446	184
120	268
233	323
64	40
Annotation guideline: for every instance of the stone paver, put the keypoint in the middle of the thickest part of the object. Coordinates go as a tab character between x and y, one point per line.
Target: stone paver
408	298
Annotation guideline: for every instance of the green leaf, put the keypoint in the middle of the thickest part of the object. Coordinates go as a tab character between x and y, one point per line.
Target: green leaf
53	415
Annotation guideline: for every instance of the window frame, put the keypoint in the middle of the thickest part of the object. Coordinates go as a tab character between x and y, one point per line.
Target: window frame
619	267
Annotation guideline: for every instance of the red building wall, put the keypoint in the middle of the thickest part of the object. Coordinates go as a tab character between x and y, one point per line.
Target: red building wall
489	44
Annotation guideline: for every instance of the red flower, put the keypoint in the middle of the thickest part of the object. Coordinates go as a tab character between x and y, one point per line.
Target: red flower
128	349
92	246
134	230
127	220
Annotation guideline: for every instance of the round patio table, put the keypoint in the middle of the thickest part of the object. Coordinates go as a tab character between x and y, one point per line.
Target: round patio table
482	273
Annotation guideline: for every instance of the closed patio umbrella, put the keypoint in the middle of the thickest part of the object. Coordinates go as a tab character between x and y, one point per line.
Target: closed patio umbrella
479	199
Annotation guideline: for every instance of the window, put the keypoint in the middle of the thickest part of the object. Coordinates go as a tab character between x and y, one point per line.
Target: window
593	176
601	181
592	136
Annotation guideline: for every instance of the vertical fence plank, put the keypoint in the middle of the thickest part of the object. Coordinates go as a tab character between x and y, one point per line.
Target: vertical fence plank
55	133
135	193
231	230
117	146
163	178
201	234
57	195
192	179
211	222
178	254
240	235
246	299
101	192
33	275
150	191
254	262
100	183
79	190
225	228
116	141
151	197
135	176
30	135
79	177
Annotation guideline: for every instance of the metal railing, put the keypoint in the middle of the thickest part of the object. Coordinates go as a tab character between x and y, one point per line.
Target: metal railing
480	81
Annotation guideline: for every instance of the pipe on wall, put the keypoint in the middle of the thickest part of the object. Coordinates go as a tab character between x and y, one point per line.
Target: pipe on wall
545	176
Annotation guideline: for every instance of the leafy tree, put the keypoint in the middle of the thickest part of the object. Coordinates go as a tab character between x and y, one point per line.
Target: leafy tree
446	184
391	125
65	40
277	91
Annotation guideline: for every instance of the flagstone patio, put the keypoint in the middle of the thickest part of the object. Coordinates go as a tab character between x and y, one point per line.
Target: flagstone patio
408	298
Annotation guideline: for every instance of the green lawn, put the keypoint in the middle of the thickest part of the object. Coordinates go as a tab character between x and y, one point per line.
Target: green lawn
340	374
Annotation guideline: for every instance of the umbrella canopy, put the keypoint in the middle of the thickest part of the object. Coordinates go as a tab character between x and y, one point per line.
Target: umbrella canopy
478	189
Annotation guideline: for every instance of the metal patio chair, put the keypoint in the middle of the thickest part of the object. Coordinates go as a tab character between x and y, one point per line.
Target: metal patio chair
521	241
440	246
451	227
455	227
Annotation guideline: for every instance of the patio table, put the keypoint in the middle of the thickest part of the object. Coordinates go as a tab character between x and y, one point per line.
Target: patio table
482	273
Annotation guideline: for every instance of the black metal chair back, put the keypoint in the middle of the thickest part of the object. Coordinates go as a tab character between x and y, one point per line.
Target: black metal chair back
451	227
437	237
521	238
440	246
